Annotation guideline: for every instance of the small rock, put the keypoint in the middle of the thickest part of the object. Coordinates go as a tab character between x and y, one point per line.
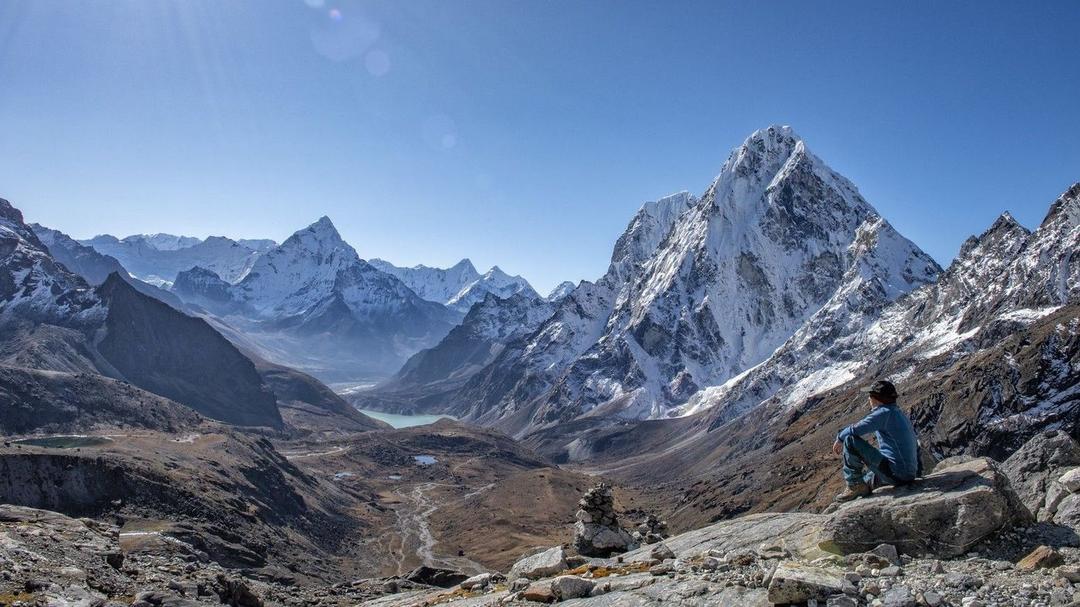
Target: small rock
567	587
887	552
661	552
900	596
661	569
115	559
477	581
1070	572
539	592
1071	480
1040	558
890	571
932	599
766	551
794	583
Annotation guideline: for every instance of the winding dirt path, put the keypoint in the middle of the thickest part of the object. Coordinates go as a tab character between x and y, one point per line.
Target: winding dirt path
414	528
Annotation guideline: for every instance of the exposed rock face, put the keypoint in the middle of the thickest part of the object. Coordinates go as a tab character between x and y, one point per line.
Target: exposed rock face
1036	468
484	333
433	576
597	531
944	514
154	346
205	288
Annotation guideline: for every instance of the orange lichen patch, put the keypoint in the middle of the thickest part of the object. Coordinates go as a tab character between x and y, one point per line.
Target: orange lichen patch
599	571
11	599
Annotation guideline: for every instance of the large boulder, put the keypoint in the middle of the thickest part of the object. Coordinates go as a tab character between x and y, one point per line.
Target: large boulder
544	564
944	514
434	576
796	583
1035	468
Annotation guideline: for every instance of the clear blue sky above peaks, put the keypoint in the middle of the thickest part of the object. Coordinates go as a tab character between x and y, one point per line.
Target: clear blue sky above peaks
520	133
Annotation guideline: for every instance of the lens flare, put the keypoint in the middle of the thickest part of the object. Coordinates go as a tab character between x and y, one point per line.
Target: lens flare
335	14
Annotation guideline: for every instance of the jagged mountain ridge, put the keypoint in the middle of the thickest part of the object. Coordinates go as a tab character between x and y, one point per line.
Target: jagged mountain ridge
95	267
701	289
985	358
312	303
459	286
433	284
1006	277
158	258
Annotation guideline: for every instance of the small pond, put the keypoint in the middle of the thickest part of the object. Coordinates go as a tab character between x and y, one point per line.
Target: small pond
425	460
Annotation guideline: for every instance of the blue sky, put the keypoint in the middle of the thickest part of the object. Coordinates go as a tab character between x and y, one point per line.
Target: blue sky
520	133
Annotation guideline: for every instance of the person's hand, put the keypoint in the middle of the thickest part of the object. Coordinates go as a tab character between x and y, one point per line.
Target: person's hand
836	447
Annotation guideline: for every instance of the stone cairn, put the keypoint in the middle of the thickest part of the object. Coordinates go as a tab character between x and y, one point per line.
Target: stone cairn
597	531
650	531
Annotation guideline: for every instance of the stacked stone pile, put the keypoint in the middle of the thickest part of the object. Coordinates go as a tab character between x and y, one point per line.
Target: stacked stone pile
597	531
650	531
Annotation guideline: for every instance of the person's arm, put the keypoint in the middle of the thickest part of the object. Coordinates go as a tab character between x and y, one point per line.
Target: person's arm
871	423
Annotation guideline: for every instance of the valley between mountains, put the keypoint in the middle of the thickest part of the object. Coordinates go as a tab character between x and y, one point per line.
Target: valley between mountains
185	417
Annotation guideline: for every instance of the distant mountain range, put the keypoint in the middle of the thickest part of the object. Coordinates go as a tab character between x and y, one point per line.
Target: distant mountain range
61	326
309	303
779	288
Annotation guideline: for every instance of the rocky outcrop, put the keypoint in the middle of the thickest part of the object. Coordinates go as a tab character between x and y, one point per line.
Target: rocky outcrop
597	531
1036	471
162	350
944	514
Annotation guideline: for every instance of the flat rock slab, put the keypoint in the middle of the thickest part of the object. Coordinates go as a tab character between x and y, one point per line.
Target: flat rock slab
796	532
643	590
944	514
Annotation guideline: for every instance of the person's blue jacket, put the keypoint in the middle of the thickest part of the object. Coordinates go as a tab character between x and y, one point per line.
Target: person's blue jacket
895	437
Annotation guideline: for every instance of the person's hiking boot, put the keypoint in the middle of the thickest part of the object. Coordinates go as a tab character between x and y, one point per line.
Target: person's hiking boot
854	492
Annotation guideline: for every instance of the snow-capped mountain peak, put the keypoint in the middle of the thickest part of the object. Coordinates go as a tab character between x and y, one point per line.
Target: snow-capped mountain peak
494	281
703	289
560	291
465	266
321	235
1065	210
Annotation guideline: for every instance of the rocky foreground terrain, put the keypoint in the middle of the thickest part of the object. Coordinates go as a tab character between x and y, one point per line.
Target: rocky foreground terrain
972	533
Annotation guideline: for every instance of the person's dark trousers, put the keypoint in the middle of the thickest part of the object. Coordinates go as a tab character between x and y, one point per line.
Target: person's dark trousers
862	463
